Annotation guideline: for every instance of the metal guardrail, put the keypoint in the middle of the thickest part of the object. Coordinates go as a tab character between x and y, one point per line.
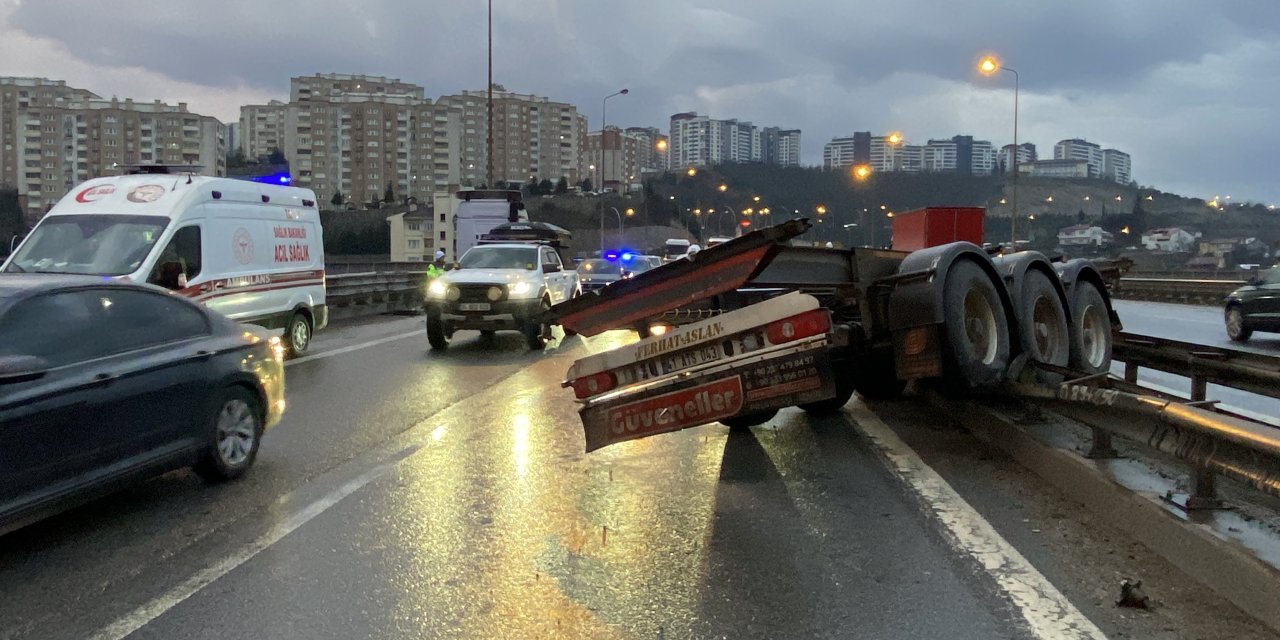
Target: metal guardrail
372	292
1186	291
1213	441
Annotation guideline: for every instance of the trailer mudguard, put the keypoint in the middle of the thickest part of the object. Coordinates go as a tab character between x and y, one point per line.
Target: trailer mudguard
1014	267
918	288
1077	270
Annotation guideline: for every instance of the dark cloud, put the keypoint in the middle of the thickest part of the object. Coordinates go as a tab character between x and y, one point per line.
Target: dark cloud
1186	87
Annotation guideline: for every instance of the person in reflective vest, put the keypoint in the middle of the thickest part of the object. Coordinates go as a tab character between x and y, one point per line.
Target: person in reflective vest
436	269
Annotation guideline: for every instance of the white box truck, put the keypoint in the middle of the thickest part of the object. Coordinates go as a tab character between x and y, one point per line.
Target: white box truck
251	251
480	211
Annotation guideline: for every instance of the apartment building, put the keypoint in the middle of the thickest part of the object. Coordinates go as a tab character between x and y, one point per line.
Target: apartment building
357	135
533	136
780	146
1078	149
960	154
1026	153
616	158
55	137
896	156
697	140
847	152
651	148
1117	166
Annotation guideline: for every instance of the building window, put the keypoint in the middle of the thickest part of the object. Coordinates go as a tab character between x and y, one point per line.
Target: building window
441	236
415	226
413	244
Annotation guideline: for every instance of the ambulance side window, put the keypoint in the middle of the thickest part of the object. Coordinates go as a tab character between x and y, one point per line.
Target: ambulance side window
180	262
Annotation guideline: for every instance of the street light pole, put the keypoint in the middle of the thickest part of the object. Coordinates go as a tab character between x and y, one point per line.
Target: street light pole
489	87
988	66
621	240
604	121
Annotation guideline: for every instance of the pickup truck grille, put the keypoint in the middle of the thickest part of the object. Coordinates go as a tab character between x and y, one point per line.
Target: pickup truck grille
480	292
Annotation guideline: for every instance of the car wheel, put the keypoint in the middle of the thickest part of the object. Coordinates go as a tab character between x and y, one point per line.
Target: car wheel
534	330
1236	330
297	334
235	431
437	335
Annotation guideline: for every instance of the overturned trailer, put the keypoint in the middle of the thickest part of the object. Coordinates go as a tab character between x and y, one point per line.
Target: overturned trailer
759	325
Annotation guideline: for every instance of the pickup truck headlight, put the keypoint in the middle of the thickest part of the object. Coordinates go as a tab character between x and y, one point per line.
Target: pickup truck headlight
437	289
521	289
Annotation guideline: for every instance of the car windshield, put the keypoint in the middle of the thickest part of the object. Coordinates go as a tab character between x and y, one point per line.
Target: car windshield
597	266
500	258
109	245
639	265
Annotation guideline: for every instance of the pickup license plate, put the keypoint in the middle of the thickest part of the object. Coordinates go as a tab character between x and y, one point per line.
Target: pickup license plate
691	358
473	306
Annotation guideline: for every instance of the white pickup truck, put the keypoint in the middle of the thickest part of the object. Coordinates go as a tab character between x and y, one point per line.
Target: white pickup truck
500	286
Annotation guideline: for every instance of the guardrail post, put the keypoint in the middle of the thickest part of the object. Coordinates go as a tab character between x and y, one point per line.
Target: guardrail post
1131	373
1199	387
1100	447
1204	492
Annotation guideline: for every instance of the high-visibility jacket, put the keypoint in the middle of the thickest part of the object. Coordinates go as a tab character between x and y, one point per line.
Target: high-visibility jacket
433	271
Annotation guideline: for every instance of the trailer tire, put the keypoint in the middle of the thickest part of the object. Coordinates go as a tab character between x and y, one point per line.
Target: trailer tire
1045	334
745	421
1090	330
976	327
877	380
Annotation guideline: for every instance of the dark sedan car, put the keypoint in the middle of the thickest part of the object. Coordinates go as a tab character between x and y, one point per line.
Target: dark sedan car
104	382
596	273
1255	306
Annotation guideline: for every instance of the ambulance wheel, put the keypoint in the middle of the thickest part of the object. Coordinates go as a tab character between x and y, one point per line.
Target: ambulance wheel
437	336
747	420
297	334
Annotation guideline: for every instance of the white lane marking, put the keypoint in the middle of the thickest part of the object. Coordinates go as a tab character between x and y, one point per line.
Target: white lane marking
158	606
354	347
1047	612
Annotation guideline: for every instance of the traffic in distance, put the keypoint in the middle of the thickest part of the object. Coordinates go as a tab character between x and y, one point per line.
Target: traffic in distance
196	290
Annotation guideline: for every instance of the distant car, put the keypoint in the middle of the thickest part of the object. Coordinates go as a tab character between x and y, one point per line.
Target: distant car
641	264
1255	306
597	273
104	383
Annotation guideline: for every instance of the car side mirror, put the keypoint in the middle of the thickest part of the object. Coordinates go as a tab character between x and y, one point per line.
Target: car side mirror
15	369
550	268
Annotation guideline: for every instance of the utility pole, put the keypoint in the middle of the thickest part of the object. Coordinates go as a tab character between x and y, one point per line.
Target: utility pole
489	180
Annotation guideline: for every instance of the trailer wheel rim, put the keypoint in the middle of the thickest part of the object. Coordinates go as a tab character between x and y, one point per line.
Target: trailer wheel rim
1093	333
980	327
1047	331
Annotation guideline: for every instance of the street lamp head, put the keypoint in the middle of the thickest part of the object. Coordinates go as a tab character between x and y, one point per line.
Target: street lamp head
624	92
755	198
821	209
895	138
631	212
661	145
988	65
692	172
861	172
723	188
671	197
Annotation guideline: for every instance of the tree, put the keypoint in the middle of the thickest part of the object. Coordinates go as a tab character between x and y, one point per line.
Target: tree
545	187
530	187
336	200
276	157
10	216
586	184
390	194
562	186
236	159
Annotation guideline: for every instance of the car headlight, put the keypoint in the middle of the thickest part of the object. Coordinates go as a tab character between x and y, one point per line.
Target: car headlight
521	289
437	289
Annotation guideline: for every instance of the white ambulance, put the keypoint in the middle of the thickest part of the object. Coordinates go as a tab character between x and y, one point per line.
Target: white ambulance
249	250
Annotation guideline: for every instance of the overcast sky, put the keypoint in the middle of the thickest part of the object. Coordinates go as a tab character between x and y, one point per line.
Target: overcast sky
1187	87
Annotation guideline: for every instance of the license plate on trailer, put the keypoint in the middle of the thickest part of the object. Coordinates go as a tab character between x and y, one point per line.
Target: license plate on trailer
474	306
690	358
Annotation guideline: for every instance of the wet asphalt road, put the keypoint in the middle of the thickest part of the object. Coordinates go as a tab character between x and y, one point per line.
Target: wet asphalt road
410	494
1198	325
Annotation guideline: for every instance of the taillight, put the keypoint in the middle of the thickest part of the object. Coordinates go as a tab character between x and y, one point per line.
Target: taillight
594	384
798	327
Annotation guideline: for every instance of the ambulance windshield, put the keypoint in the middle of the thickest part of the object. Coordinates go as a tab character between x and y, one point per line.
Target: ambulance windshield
109	245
